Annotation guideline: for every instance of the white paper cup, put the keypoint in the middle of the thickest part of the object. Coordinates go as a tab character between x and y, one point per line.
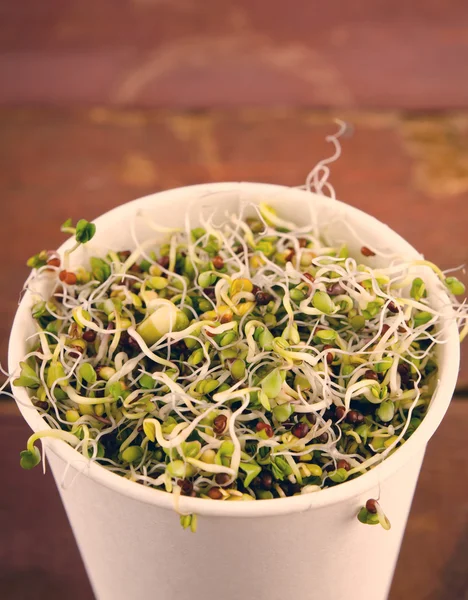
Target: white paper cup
305	547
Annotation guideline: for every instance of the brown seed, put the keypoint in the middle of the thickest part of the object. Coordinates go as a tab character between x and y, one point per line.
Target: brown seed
266	480
365	251
262	426
218	262
300	430
354	417
256	289
58	293
369	374
54	262
330	355
340	412
225	318
41	404
311	418
215	493
89	335
335	289
222	479
263	298
219	424
385	328
403	369
67	277
289	255
186	486
401	329
309	277
392	307
164	261
123	255
371	506
302	242
343	464
135	268
322	439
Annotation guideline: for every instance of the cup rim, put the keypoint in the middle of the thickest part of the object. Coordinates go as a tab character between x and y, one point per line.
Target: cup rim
277	506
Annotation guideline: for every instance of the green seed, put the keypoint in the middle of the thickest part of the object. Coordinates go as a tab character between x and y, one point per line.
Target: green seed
384	365
29	460
418	289
87	372
106	373
271	384
282	412
238	369
322	302
72	416
455	286
326	335
211	385
302	382
315	470
386	411
265	340
266	247
228	338
157	283
146	382
297	295
196	357
270	320
364	516
191	449
188	269
357	322
197	233
421	318
264	495
339	475
132	454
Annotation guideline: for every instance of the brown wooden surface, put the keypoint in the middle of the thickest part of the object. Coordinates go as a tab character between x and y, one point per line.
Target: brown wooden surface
192	53
410	172
39	558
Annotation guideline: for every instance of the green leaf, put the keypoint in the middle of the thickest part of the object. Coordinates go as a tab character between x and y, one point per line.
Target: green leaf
38	260
251	470
115	390
100	269
39	310
280	468
339	476
87	372
67	225
84	231
27	378
456	287
29	460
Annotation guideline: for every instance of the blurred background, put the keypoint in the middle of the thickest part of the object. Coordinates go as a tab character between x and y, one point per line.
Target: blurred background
103	101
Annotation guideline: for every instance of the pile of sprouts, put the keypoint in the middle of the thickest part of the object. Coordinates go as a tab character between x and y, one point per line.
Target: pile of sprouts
248	360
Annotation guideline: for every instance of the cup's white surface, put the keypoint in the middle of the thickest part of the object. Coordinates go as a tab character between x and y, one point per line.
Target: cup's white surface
308	546
134	550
